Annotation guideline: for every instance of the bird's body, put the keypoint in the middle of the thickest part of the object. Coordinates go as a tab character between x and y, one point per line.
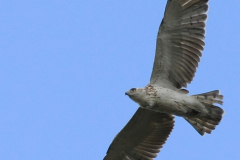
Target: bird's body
166	100
180	41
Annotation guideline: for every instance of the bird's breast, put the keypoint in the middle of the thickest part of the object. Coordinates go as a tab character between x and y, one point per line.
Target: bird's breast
167	101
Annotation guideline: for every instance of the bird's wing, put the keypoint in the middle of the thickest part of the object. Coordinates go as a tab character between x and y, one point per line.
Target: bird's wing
180	41
142	137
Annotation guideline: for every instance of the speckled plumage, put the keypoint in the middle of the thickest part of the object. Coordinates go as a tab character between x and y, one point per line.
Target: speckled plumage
166	100
180	41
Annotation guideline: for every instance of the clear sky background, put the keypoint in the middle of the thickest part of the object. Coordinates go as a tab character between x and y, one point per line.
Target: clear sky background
65	65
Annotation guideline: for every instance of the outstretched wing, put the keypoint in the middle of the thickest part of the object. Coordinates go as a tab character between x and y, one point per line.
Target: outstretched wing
142	137
180	41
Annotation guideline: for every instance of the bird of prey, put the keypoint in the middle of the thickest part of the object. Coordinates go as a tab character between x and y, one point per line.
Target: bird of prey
180	41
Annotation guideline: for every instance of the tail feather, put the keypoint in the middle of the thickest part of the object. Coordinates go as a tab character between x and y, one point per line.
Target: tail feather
210	97
200	126
208	123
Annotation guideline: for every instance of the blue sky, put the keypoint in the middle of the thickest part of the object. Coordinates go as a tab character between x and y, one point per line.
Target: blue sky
65	65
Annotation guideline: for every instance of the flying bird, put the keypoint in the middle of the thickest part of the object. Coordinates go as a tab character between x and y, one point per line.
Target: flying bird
180	41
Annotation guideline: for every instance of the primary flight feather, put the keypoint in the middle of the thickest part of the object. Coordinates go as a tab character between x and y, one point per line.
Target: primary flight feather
180	41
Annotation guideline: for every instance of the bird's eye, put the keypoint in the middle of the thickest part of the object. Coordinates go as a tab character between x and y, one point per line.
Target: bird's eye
133	89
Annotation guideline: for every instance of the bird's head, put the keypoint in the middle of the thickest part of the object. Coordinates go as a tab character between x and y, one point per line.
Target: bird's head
136	94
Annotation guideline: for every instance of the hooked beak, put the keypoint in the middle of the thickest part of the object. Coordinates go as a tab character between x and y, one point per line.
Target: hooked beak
126	93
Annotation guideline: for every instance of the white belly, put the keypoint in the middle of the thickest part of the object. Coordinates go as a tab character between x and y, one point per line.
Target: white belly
171	102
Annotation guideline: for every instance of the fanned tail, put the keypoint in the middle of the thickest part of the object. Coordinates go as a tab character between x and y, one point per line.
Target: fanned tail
207	124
